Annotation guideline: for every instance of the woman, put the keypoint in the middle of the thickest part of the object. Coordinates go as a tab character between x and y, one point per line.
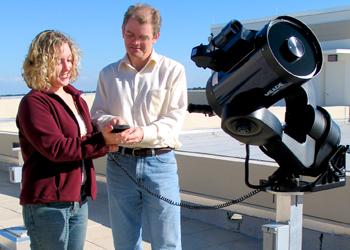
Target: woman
58	143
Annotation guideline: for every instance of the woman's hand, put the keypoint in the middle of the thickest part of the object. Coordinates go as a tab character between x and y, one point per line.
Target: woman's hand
112	140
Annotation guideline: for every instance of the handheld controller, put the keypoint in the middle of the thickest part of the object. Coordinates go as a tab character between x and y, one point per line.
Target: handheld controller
120	128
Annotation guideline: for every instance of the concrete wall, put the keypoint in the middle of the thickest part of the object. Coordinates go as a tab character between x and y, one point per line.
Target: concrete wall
9	106
223	178
7	154
336	78
209	180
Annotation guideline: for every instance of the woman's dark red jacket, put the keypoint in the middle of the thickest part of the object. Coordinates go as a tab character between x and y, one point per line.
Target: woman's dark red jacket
53	150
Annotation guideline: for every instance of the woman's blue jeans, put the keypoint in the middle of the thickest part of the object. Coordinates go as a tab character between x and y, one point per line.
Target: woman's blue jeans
130	205
56	225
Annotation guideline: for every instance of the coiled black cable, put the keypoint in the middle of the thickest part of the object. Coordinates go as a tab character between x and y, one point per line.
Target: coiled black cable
140	184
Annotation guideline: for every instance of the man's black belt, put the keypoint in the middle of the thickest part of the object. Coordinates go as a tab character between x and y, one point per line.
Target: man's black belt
143	152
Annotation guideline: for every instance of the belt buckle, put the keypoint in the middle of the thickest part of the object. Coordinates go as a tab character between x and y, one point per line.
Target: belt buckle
122	151
133	152
153	152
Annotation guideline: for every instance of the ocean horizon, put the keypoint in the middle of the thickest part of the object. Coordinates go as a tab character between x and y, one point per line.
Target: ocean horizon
5	93
20	88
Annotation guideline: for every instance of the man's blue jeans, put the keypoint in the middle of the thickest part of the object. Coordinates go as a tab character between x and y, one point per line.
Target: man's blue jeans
130	205
57	225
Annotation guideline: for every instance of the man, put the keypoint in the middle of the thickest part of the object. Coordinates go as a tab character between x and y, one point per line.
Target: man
148	92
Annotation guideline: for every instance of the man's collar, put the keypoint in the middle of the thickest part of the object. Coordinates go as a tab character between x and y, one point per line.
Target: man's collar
126	62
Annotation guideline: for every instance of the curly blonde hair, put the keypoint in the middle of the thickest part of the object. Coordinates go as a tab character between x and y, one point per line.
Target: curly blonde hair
39	64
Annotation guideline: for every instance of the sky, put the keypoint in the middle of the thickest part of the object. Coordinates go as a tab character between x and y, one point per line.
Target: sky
95	25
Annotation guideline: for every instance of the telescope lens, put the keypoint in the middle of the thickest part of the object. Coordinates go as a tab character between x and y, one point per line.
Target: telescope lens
293	47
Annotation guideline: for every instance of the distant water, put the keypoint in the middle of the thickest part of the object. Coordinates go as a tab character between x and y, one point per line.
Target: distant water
13	94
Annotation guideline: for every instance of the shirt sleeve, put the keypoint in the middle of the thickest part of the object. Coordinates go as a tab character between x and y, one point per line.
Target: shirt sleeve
100	110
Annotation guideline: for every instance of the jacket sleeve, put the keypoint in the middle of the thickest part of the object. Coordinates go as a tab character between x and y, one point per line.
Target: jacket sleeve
42	126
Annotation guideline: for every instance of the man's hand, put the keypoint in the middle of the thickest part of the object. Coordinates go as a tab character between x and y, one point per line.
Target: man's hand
132	135
106	120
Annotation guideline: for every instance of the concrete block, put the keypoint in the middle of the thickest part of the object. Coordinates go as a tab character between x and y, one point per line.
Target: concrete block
14	238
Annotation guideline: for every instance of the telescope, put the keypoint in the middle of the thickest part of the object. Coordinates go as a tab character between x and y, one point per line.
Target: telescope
253	70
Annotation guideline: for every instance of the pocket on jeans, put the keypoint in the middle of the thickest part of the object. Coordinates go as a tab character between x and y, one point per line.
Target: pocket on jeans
113	157
28	215
166	158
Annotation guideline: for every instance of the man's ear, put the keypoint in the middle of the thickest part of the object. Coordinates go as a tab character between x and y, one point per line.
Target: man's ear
155	37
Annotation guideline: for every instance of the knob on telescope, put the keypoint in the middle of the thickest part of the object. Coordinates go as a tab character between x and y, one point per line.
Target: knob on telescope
292	49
